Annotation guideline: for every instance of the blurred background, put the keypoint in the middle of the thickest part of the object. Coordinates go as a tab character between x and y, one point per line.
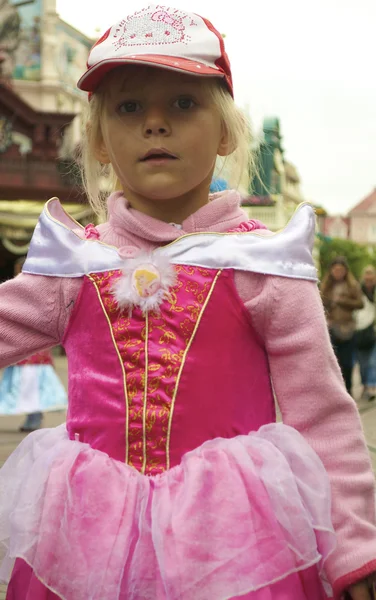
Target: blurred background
304	74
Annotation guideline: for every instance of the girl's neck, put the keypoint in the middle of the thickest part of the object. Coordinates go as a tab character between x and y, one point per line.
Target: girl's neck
174	210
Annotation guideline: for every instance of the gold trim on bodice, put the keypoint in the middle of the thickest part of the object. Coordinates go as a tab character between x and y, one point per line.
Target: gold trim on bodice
152	350
94	282
182	367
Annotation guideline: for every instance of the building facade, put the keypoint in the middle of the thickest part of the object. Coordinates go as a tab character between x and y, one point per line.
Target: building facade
275	190
359	225
41	58
59	54
335	226
362	220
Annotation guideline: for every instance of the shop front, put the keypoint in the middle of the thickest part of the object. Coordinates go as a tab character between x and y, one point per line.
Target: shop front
33	168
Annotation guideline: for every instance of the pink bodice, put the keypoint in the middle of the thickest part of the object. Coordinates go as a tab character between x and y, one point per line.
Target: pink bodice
162	384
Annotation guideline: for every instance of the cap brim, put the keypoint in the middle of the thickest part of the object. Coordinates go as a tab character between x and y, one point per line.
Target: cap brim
94	75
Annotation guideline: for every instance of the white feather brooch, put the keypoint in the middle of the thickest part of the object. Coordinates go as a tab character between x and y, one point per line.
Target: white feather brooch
145	282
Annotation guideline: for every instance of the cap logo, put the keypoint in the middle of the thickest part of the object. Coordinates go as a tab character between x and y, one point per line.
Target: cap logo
153	26
163	16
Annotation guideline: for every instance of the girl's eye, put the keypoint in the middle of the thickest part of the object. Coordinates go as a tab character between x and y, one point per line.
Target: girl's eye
129	107
184	103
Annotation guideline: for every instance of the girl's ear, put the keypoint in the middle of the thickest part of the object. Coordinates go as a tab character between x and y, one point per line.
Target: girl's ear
100	152
225	146
99	146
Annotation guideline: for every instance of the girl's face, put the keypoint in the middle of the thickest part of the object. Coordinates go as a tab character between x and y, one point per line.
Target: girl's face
338	272
161	133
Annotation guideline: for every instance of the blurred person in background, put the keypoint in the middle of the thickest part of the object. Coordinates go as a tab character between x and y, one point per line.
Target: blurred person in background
341	295
31	386
365	340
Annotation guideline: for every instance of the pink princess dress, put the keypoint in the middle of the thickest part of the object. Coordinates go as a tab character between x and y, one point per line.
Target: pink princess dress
171	479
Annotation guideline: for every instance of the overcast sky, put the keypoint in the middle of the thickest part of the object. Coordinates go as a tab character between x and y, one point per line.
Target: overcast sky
312	64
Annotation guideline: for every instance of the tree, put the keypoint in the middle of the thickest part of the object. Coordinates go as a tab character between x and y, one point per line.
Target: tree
357	255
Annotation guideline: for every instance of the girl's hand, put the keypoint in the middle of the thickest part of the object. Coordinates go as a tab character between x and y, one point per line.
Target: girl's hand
362	591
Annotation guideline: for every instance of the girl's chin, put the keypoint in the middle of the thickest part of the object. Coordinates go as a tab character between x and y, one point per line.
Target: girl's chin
159	194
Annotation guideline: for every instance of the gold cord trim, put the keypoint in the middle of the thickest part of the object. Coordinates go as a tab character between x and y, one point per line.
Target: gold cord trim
144	450
182	367
122	367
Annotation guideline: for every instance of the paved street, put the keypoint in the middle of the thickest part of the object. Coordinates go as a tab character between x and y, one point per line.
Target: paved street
10	437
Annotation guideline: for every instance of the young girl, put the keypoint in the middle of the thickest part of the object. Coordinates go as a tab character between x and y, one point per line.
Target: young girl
171	479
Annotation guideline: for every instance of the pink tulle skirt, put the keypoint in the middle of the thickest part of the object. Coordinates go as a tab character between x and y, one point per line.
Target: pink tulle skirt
244	517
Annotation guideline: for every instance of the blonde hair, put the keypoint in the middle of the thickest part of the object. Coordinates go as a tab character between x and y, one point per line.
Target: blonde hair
238	167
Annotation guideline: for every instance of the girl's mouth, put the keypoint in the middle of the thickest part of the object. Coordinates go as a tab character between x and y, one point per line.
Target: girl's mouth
158	155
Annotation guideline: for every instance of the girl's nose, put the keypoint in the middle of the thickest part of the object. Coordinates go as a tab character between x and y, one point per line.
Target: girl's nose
156	123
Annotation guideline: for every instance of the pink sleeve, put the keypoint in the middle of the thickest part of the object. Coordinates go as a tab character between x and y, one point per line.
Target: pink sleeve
310	392
34	312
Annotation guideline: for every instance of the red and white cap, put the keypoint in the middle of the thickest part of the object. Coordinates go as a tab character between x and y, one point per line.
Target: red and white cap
159	36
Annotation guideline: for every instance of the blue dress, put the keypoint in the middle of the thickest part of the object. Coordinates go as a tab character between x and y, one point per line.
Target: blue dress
32	386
